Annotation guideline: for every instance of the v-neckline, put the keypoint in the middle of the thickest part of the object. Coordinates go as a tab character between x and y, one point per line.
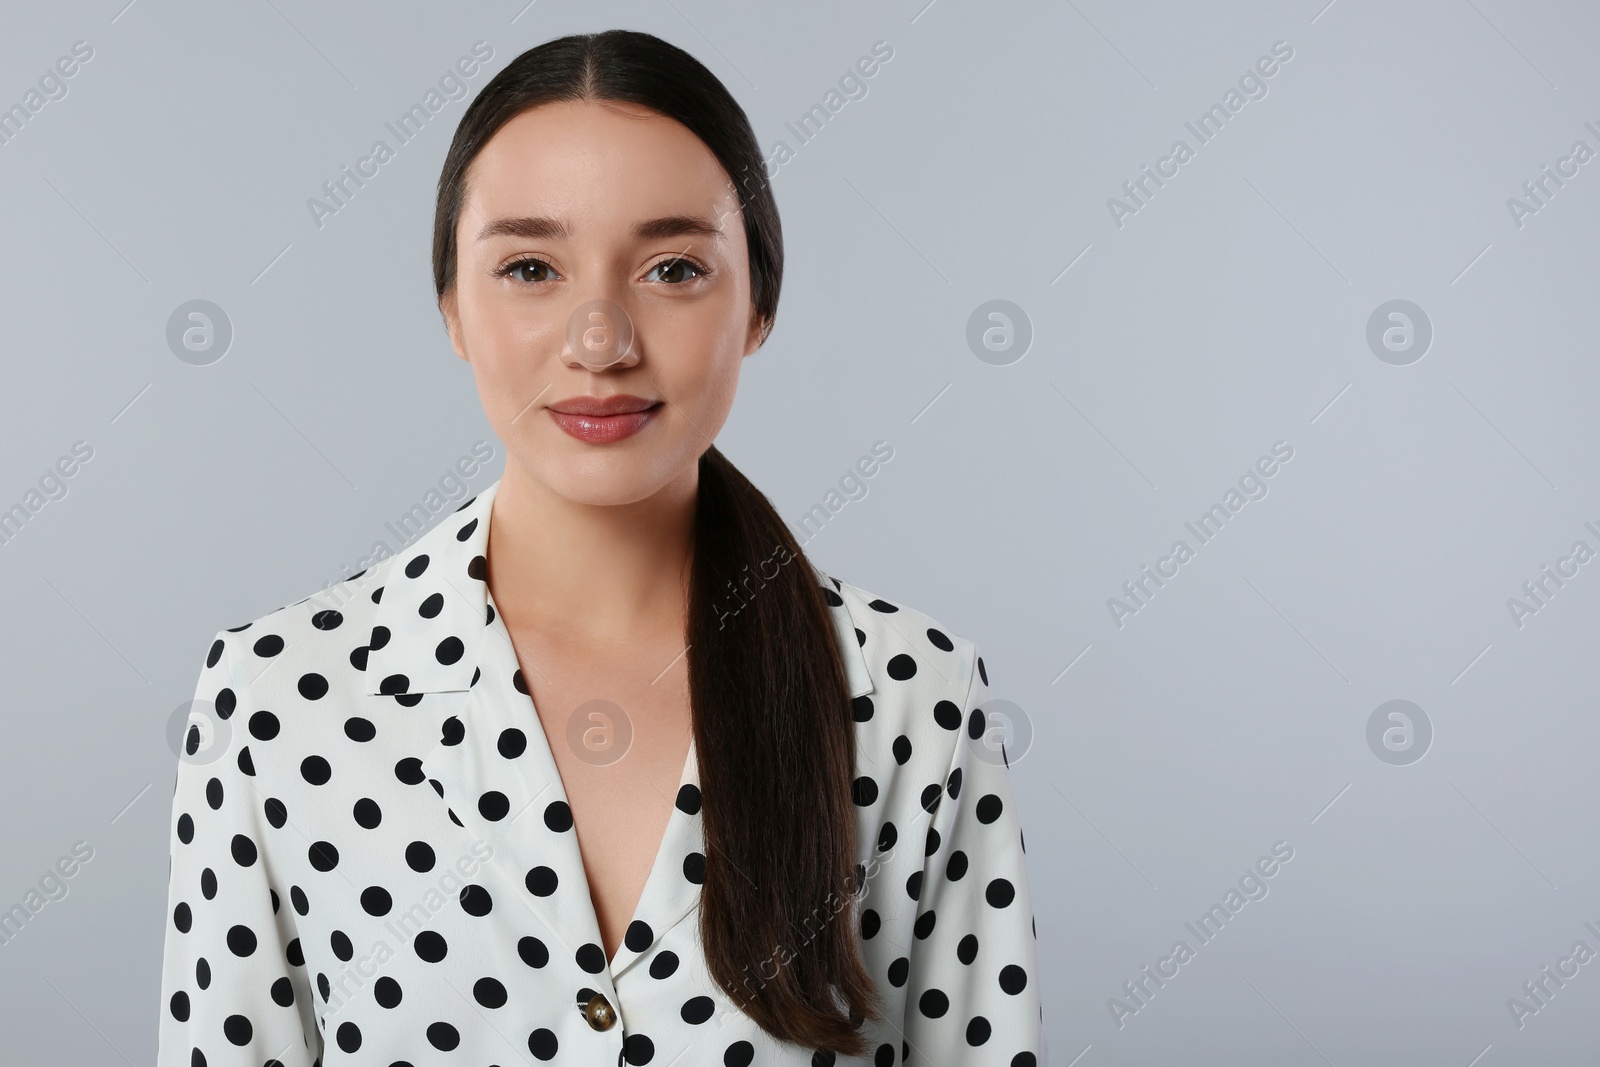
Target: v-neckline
681	833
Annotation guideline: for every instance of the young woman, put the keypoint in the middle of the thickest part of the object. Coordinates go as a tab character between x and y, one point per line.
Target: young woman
600	769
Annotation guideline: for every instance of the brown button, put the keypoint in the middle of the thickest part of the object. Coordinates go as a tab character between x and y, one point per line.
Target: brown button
600	1013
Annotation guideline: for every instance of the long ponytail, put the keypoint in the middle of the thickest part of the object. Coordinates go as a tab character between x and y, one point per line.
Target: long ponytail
773	722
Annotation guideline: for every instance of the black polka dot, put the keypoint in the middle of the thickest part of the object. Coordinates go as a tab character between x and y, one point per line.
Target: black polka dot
443	1036
494	805
512	743
237	1029
430	946
241	940
533	951
348	1036
638	1048
475	900
639	936
489	992
542	881
591	957
244	850
697	1010
375	900
558	816
542	1043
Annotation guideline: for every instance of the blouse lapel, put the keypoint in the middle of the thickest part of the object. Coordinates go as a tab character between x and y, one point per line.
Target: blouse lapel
495	772
672	889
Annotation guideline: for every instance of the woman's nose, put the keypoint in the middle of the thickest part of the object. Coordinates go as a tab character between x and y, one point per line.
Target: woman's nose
600	334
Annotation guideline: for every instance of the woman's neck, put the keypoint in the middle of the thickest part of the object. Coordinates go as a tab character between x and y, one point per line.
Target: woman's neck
596	574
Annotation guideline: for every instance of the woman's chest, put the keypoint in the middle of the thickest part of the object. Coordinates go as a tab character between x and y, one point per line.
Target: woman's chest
618	730
441	902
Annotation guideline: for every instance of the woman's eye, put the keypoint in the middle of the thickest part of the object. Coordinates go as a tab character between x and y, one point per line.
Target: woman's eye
527	271
675	268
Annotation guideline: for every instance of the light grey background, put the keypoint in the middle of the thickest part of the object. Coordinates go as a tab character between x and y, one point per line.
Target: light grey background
1168	354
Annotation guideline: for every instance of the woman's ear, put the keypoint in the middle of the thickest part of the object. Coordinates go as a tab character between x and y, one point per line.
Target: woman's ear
757	334
452	324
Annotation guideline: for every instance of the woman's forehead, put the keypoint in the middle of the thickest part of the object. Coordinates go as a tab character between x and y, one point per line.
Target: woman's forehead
588	158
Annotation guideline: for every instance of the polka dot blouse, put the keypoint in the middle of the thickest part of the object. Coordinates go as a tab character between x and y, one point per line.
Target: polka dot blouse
374	863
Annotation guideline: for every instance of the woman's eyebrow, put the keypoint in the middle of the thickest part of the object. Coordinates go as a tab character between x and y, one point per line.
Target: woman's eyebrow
542	227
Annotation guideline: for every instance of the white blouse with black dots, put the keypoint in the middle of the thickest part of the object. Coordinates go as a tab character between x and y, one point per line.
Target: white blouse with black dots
374	863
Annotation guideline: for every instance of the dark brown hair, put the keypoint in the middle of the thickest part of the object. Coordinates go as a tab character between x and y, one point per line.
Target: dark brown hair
773	725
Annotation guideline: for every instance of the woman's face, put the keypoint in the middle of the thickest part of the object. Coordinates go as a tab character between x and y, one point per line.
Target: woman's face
570	204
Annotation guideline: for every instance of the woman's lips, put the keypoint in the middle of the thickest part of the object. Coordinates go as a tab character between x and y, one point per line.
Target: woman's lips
601	429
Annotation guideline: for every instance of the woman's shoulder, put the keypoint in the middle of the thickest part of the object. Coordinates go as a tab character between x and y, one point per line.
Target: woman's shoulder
327	638
340	613
905	656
